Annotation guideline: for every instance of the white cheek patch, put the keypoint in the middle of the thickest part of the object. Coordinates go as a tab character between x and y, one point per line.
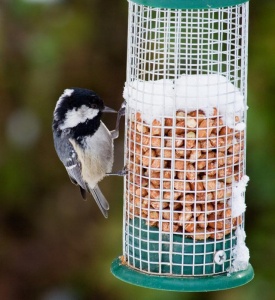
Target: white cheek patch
77	116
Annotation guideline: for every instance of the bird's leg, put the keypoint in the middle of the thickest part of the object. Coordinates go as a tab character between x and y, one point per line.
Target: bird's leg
121	112
122	172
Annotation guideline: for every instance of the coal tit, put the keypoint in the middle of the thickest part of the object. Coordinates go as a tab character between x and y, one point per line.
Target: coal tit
82	141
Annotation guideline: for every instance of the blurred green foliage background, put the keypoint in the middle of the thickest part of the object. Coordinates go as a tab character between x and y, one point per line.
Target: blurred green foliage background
54	246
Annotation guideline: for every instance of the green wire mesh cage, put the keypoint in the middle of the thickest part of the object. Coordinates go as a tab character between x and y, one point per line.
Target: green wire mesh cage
185	146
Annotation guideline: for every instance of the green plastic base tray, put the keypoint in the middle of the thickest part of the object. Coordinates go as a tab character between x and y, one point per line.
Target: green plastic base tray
181	284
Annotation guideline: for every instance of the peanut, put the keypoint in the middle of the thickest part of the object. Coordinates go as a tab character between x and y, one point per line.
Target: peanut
207	208
240	135
156	127
140	180
206	156
186	215
175	195
133	210
145	140
156	142
205	128
188	199
182	153
233	159
196	210
235	149
180	127
178	140
205	145
225	130
194	155
189	226
197	186
168	174
177	204
168	122
214	222
138	117
218	235
167	153
190	172
167	184
203	197
155	178
166	227
201	163
154	194
168	143
202	220
159	204
142	128
141	192
145	204
219	195
200	234
211	169
157	163
180	185
190	141
180	175
177	143
147	157
217	142
217	124
180	115
224	172
209	183
180	164
191	122
166	215
153	218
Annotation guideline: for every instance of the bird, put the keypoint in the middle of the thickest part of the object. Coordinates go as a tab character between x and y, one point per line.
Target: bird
82	141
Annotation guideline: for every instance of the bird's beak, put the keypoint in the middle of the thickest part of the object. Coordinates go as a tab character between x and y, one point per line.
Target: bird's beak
109	110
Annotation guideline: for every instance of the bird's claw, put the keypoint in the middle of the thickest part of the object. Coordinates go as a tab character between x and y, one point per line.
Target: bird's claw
121	112
122	172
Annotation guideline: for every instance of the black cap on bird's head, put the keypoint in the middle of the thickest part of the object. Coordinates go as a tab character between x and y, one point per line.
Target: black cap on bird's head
79	100
73	99
79	111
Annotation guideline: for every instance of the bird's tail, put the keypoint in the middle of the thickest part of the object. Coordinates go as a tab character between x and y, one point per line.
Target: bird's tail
100	200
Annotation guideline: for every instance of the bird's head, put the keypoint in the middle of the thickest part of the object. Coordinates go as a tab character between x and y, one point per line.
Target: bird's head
77	106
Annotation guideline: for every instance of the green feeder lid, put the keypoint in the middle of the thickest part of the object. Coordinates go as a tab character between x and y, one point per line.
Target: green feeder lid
189	4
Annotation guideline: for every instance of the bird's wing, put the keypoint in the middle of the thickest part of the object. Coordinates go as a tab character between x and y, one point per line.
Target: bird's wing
73	167
69	158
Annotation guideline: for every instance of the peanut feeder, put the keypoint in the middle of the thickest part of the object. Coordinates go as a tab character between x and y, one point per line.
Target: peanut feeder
185	146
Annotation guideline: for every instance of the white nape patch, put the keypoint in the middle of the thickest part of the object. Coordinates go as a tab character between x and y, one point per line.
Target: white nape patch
66	93
78	115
